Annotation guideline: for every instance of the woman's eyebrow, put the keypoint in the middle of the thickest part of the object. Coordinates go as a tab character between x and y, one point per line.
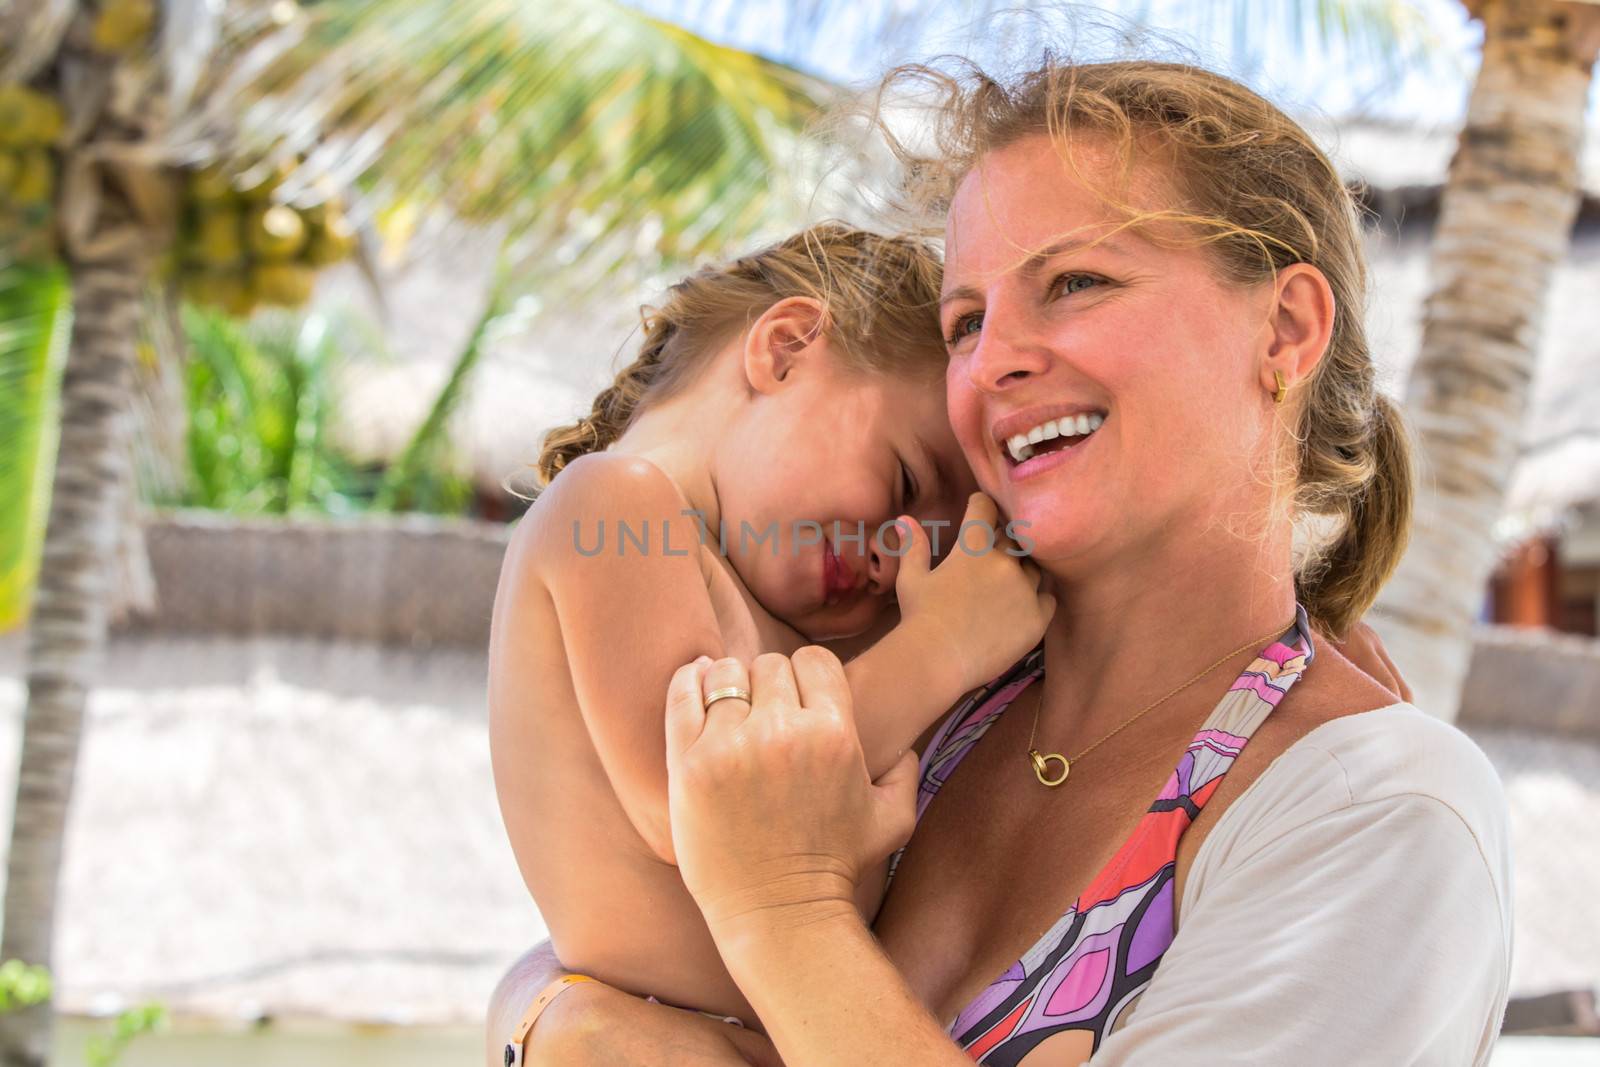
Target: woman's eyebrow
1034	262
962	292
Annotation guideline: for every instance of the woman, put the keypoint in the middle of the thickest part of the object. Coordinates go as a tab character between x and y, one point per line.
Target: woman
1109	859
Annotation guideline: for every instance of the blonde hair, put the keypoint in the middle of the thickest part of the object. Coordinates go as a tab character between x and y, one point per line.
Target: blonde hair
880	297
1253	187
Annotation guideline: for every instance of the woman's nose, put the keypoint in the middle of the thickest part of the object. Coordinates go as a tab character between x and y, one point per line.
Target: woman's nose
1007	354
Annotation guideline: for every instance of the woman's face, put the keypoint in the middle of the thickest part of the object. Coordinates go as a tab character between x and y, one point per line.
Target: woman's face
1058	320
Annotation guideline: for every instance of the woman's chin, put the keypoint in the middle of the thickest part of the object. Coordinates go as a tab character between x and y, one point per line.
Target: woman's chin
1053	537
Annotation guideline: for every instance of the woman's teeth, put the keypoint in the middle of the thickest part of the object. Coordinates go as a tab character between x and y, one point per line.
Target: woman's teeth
1021	445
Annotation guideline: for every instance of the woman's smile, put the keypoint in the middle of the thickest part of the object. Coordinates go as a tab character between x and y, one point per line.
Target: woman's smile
1041	437
1049	455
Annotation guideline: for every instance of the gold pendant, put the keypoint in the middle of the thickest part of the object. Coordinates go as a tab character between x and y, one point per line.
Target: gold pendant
1041	767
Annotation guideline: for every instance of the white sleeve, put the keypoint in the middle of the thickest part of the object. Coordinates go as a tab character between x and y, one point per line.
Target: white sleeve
1372	933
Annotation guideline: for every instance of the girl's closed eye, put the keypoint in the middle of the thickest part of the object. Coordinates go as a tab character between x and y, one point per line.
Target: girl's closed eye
908	486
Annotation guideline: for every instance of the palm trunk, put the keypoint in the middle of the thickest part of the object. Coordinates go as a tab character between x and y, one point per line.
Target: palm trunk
1505	222
68	629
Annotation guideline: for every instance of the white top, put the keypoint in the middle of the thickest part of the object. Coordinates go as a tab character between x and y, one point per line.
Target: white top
1352	907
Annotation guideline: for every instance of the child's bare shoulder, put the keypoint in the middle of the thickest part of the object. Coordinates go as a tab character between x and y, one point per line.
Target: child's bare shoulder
605	507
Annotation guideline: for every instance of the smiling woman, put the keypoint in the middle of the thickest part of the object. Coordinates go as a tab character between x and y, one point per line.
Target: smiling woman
1262	855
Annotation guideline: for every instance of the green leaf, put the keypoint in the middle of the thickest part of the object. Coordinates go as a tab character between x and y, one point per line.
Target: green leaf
35	322
560	119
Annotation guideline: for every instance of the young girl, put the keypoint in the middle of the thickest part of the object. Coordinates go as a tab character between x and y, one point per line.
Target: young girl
734	492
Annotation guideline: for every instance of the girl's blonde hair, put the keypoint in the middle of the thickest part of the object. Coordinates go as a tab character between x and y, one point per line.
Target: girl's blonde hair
1253	186
881	308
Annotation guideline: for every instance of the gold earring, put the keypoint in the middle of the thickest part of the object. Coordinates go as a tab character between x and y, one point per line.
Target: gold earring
1283	389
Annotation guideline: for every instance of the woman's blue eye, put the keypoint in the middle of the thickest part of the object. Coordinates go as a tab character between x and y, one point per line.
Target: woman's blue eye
965	326
1076	283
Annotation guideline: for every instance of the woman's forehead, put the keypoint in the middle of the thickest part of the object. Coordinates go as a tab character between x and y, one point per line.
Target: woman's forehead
1040	192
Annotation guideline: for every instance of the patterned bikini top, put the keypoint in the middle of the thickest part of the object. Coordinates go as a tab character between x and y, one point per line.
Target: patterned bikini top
1082	978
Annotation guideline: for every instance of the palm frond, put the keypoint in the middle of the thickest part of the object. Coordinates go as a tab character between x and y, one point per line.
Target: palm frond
34	325
563	119
399	490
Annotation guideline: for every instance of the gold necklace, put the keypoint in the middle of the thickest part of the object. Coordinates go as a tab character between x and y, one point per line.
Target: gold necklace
1041	761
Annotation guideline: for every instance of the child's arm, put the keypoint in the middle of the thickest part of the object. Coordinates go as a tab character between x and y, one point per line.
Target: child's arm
961	624
629	617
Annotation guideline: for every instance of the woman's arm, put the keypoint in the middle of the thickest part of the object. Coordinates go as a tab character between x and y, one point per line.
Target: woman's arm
774	820
594	1025
826	992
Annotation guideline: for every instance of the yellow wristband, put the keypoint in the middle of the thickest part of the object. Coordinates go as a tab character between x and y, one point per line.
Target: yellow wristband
517	1051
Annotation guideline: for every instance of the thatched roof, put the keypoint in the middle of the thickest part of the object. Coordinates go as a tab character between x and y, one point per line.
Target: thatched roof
306	830
550	374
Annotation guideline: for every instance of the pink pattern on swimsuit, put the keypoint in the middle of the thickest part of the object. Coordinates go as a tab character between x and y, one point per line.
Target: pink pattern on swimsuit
1089	969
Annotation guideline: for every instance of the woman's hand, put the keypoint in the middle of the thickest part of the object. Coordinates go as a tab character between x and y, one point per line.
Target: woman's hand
774	819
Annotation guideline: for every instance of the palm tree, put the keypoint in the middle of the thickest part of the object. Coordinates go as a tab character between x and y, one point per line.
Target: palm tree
585	126
1505	222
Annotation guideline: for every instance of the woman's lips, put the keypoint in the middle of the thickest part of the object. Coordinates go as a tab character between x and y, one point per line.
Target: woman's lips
1037	465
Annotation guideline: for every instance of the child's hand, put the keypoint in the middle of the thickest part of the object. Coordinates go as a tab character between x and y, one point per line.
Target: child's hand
983	607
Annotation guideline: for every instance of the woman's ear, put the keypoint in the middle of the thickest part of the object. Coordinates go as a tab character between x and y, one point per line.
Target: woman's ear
784	337
1301	326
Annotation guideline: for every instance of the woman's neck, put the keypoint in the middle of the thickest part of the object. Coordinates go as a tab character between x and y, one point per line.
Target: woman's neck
1124	635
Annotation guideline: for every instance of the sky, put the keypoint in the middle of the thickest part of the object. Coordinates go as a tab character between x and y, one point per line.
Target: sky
1423	83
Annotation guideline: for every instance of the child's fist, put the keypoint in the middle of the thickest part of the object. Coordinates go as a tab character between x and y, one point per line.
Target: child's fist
985	580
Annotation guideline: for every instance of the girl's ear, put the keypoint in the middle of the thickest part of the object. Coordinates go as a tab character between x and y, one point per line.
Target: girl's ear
1302	326
785	337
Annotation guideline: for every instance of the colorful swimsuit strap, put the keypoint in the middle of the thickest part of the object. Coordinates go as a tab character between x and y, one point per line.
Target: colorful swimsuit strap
1081	979
962	728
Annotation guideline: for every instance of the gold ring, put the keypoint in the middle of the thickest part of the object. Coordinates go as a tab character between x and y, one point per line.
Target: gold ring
731	692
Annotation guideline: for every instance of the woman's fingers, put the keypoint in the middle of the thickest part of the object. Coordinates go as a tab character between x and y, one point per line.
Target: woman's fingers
820	680
686	709
772	682
725	711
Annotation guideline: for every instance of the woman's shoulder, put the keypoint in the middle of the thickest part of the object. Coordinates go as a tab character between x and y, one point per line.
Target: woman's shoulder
1400	752
1393	770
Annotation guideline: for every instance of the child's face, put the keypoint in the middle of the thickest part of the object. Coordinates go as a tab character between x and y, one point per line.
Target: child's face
810	467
